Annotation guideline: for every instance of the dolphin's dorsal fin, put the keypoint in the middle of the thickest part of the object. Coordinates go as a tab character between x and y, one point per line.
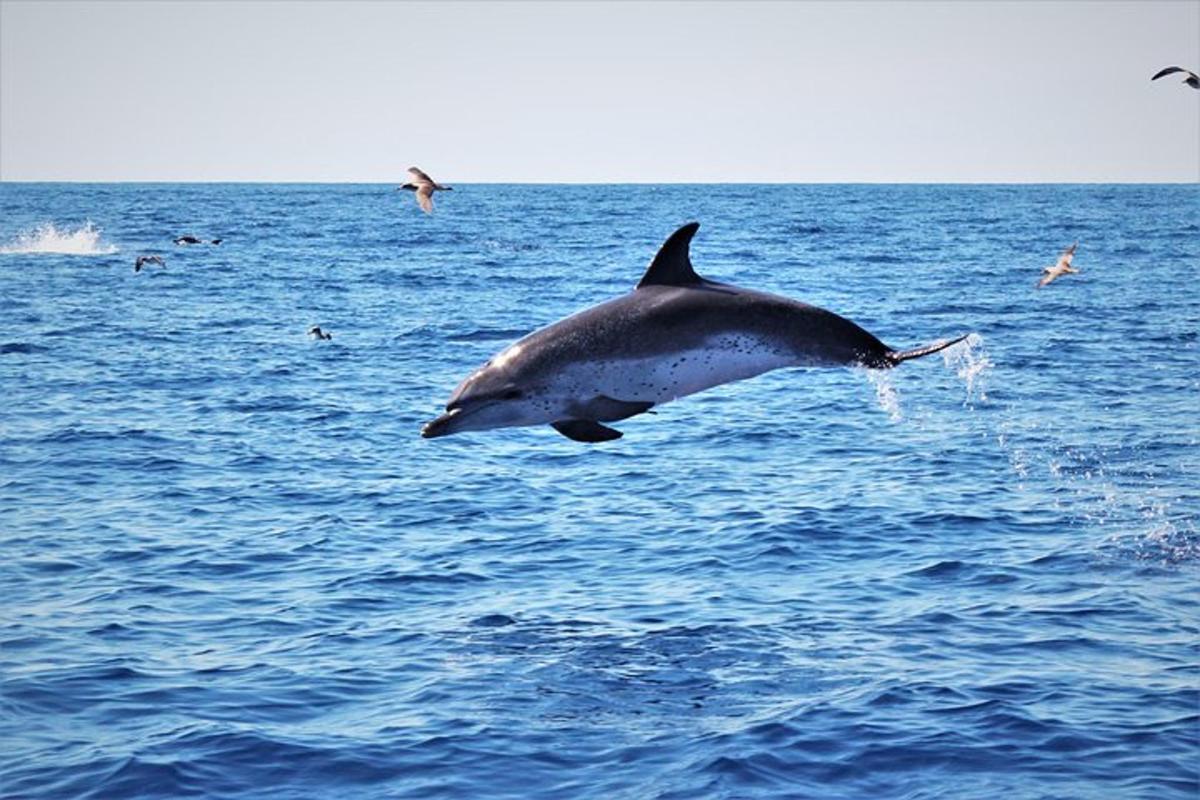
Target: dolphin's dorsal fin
671	266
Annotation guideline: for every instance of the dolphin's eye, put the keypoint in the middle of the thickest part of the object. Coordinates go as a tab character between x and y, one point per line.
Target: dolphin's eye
512	394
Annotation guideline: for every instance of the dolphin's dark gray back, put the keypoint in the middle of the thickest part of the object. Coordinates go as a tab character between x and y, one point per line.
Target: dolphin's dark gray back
674	308
767	314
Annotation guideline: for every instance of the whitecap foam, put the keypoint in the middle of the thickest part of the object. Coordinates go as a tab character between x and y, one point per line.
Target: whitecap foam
83	240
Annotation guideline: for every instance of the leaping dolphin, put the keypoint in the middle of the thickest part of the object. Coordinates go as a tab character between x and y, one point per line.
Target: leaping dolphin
675	334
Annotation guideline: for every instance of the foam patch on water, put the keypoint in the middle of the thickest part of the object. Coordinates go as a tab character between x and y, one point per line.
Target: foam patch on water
1156	535
1118	492
48	238
972	364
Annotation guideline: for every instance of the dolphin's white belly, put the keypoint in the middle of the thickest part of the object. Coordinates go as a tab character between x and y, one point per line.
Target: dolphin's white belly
677	373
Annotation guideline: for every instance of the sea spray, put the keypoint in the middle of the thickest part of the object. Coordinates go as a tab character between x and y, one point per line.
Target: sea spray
83	240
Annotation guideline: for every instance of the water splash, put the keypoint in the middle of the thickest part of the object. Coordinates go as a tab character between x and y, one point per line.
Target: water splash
972	364
47	238
886	393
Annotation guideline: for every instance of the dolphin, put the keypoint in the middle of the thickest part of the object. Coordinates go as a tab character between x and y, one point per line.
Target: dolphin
675	334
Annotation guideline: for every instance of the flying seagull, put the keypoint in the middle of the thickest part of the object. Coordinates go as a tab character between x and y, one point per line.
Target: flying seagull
1192	79
424	186
143	260
316	331
1060	268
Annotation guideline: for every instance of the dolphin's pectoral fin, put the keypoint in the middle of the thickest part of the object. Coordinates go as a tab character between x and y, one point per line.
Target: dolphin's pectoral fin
607	409
585	430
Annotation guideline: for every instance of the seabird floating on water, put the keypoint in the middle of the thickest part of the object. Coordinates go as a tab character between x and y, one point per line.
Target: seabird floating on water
143	260
1192	79
316	331
424	186
1060	268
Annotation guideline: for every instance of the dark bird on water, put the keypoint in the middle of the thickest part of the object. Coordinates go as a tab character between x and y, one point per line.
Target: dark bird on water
1192	79
143	260
193	240
316	331
1060	268
424	186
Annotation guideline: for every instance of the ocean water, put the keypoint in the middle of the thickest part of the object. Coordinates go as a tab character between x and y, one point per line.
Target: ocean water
233	569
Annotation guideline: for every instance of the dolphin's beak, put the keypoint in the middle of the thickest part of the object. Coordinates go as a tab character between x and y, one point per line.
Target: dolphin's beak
440	426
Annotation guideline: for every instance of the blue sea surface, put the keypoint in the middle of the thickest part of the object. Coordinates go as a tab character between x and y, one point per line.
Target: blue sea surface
231	567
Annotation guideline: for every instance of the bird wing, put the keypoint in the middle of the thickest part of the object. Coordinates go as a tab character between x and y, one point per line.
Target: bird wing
1051	274
425	198
1167	71
420	177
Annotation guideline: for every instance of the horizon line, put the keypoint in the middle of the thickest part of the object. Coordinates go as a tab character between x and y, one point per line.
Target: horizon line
858	182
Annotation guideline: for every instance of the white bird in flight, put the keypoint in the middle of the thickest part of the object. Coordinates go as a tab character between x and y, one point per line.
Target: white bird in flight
1060	268
424	186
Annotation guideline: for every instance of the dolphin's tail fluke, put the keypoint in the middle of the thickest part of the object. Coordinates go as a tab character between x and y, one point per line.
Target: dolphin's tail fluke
894	357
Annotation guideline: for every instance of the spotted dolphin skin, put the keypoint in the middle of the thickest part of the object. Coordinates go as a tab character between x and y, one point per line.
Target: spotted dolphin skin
675	334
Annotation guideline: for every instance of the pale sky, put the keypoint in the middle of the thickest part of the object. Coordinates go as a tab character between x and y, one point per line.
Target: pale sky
580	91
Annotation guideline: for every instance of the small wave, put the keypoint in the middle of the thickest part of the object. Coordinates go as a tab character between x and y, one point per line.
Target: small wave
486	335
21	347
47	238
